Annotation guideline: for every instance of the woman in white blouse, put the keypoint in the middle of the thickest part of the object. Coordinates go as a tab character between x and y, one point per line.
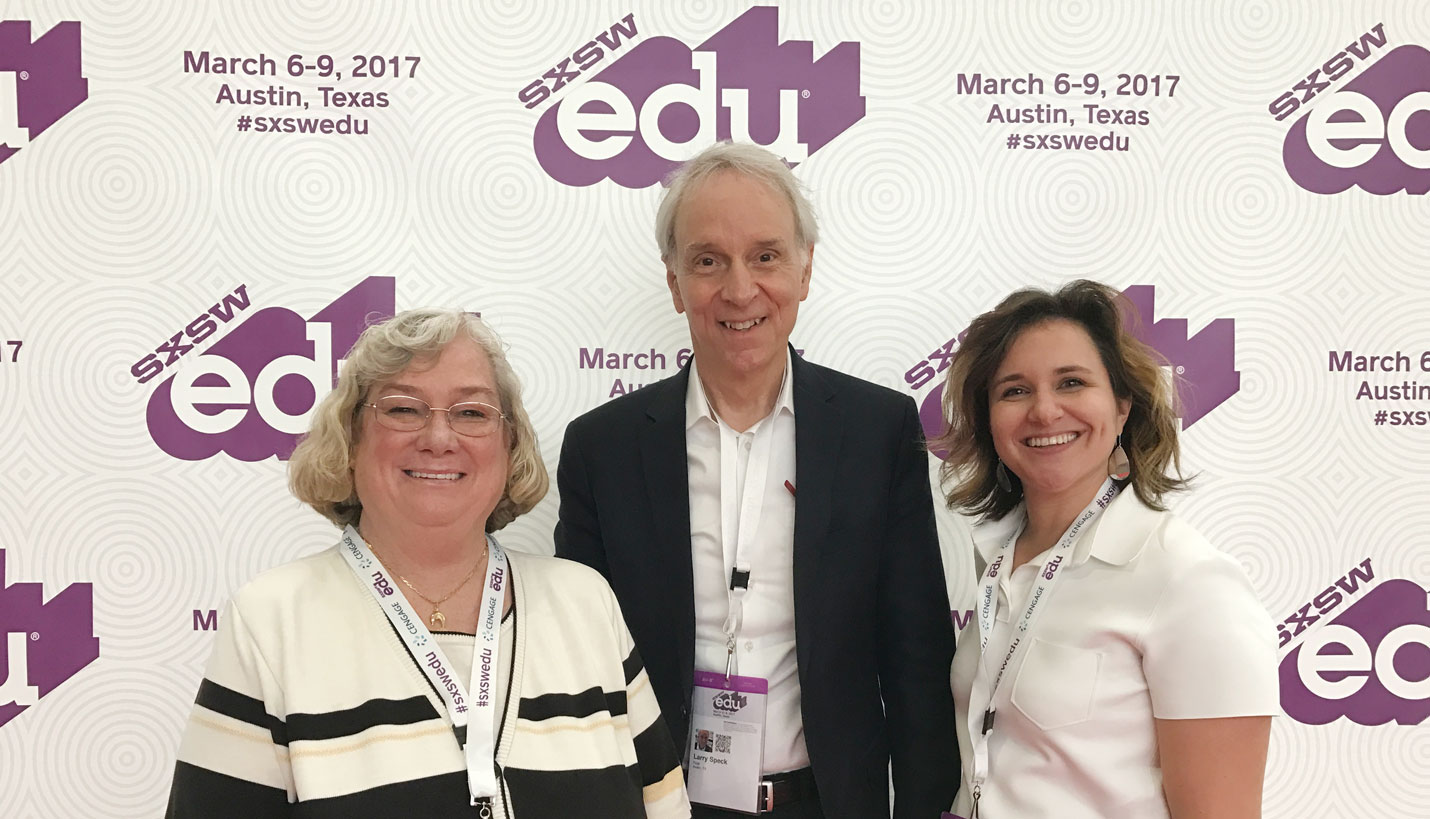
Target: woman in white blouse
1117	665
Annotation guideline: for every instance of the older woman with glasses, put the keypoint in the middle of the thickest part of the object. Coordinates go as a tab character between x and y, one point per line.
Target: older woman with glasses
417	668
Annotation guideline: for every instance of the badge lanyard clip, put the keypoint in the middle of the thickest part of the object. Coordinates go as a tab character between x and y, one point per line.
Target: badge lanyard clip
739	584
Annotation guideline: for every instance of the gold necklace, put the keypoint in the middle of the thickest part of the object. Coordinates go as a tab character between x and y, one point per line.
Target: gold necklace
438	619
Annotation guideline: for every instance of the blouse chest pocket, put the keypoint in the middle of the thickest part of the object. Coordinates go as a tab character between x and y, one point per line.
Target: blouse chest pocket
1056	684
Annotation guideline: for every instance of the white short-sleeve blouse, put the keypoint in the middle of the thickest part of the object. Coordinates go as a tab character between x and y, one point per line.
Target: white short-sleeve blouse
1148	621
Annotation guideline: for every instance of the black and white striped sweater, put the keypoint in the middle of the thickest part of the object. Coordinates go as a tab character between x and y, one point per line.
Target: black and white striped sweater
312	707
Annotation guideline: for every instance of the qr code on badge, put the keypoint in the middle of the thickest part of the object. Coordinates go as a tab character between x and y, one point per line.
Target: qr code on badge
722	743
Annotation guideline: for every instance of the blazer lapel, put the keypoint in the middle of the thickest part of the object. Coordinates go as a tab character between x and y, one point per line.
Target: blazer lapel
663	458
818	439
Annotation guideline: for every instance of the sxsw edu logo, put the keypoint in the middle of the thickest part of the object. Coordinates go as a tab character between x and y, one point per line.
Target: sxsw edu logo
40	81
1367	133
729	702
662	101
42	643
1205	363
1361	651
251	393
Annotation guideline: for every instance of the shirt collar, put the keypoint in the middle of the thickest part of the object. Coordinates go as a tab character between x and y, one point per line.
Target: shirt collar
697	404
1116	537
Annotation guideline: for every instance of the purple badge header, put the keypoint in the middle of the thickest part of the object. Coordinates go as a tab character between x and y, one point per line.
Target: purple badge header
662	102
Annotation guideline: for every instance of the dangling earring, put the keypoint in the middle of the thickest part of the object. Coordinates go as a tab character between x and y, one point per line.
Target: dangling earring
1118	467
1001	476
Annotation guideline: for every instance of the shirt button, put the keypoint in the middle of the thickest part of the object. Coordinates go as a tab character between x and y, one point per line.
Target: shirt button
749	646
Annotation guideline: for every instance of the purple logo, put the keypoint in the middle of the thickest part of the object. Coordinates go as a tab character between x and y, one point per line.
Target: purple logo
662	102
729	702
1374	133
39	82
1205	363
1052	567
995	566
382	584
42	644
251	394
1371	664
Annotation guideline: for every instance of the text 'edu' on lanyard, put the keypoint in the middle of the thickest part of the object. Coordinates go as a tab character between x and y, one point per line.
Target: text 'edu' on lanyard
473	718
1019	637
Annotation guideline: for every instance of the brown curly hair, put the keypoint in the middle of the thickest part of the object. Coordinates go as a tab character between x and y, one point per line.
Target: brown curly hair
1134	369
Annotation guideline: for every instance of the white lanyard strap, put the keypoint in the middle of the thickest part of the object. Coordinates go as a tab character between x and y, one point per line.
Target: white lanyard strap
473	718
742	490
981	723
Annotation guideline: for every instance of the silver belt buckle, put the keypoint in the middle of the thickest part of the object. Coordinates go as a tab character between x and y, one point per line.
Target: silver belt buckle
767	796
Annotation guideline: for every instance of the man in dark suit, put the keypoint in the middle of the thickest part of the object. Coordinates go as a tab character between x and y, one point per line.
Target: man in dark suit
763	515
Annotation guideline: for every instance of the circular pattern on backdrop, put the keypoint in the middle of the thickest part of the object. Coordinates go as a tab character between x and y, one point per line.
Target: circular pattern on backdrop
126	197
892	214
308	28
879	349
1270	390
120	747
1395	543
109	31
1228	210
462	35
496	208
901	45
695	21
1051	211
1300	784
1388	245
1080	36
315	202
1266	529
141	563
1227	48
90	392
1391	771
17	775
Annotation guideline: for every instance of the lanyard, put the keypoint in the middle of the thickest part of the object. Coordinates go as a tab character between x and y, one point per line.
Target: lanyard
742	497
987	602
475	713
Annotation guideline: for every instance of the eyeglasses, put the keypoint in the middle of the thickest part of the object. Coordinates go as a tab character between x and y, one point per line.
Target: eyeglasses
407	414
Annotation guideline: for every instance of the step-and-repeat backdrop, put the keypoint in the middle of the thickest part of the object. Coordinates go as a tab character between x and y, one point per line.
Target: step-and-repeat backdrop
202	203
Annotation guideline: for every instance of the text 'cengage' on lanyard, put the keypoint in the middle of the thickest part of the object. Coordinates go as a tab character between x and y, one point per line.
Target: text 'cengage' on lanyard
987	611
473	719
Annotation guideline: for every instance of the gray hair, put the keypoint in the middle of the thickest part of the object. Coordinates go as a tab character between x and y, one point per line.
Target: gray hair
320	472
747	160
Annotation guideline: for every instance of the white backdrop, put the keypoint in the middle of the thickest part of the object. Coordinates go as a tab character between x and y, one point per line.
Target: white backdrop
136	203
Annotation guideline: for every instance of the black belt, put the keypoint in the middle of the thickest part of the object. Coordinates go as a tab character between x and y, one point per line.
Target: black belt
783	788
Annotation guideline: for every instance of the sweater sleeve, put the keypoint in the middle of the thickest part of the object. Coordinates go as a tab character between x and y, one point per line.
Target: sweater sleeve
233	758
662	782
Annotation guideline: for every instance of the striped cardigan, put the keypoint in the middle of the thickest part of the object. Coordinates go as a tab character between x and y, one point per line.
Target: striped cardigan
312	707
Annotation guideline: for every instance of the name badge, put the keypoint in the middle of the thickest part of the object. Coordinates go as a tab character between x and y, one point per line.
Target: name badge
727	741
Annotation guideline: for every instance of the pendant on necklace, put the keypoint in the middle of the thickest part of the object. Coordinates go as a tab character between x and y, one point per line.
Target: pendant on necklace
438	619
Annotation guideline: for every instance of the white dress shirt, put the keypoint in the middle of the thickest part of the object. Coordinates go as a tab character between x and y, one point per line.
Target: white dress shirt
742	511
1149	622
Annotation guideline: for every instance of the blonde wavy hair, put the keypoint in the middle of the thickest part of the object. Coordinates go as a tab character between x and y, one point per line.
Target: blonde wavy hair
320	472
1149	437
